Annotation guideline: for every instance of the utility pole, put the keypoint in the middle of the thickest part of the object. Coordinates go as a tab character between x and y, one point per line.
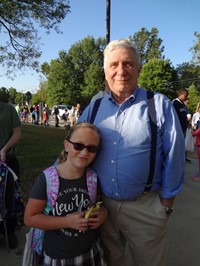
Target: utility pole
107	21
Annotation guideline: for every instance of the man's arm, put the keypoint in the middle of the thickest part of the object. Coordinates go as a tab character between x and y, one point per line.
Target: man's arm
11	142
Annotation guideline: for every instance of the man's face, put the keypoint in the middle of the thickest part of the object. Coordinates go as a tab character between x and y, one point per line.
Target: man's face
122	71
184	97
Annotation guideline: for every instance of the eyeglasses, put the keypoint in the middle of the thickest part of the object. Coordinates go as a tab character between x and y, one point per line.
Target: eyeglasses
79	147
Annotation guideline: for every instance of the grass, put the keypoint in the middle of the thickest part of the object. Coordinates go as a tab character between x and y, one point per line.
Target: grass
37	149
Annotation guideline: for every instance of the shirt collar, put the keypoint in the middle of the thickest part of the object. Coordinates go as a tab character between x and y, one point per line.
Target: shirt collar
131	97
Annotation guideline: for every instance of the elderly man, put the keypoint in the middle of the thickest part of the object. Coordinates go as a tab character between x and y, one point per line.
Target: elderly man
135	230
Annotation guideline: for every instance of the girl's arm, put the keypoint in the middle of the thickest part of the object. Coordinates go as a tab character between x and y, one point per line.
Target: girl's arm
34	217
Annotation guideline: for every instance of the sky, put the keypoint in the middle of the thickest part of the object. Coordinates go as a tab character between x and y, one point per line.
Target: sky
176	21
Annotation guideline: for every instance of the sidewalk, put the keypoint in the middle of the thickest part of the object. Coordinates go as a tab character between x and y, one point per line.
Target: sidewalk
184	227
184	224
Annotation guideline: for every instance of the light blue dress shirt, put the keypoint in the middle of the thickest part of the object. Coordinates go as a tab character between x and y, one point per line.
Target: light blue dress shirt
123	162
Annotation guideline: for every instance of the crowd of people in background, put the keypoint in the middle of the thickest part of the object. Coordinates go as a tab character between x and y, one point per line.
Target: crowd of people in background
37	114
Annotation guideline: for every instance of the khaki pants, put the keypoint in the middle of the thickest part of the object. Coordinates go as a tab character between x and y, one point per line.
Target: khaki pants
134	233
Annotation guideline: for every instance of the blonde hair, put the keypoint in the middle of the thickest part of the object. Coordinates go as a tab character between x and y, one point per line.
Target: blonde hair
121	43
63	155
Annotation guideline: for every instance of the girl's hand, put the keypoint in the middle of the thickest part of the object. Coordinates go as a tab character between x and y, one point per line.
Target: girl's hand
97	218
77	221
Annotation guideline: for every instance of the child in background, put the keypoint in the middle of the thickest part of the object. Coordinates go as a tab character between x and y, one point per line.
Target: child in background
196	134
70	238
44	117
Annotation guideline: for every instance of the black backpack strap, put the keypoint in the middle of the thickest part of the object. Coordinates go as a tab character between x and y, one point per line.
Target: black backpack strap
95	109
153	125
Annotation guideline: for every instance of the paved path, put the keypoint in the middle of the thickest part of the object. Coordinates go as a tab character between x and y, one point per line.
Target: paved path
184	227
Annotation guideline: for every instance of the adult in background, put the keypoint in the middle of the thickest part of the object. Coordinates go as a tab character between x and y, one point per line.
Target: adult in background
56	113
136	227
10	134
181	110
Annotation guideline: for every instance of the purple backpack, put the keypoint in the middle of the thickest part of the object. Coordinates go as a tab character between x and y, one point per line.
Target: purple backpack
52	186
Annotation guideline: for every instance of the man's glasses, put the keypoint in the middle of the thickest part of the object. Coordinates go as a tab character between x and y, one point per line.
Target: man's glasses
79	147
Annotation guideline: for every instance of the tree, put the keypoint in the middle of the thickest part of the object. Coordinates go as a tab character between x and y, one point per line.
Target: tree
196	49
187	73
41	95
12	94
148	44
194	98
77	74
20	40
20	98
155	75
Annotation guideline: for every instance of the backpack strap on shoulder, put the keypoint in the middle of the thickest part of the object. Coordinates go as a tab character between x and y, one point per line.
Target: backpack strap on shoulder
153	125
91	178
52	187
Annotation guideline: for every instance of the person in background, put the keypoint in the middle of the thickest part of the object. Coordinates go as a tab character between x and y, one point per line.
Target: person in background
196	117
10	134
77	112
135	230
70	238
188	130
56	114
46	109
181	111
17	109
71	116
196	134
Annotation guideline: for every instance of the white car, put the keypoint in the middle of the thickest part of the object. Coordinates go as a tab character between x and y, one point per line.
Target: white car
62	109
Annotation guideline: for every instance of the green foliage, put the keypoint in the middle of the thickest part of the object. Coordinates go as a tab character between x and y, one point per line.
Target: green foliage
155	75
148	44
19	98
194	98
41	95
77	74
188	73
196	49
20	40
12	94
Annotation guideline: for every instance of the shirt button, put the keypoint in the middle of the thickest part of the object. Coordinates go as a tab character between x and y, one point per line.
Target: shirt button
114	142
116	194
113	179
112	161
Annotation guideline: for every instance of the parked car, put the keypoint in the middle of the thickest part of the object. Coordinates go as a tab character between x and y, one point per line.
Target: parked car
62	109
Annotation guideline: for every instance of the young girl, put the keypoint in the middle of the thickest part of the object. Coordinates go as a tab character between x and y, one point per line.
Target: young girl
70	239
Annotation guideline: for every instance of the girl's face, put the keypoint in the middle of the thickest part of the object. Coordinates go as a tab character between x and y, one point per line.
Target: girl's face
80	145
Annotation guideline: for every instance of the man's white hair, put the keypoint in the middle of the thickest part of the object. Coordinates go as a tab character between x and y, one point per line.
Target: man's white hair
121	43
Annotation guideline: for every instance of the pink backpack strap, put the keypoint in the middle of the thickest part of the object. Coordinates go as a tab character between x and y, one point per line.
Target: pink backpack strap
52	188
52	183
91	177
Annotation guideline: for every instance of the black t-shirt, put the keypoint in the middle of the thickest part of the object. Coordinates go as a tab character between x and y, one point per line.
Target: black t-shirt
182	113
73	196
